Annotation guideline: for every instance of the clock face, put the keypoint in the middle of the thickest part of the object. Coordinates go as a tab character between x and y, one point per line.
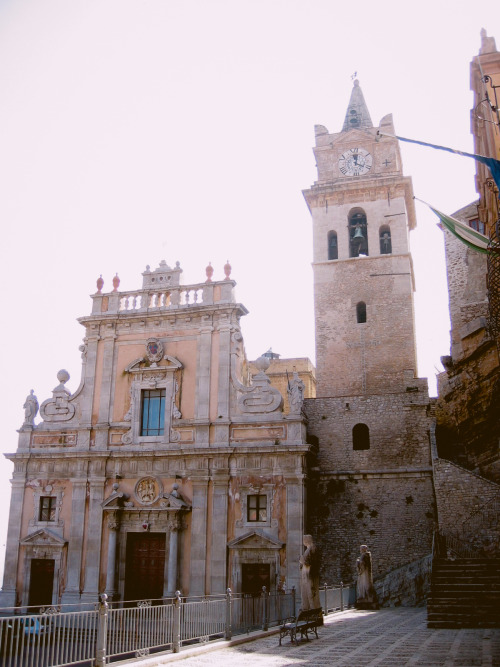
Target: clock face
355	162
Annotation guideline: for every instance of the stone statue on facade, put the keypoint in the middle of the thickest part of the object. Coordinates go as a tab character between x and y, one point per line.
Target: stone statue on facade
295	393
30	409
366	598
309	564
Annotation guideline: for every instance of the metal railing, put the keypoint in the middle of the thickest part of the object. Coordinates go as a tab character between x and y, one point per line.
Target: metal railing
55	637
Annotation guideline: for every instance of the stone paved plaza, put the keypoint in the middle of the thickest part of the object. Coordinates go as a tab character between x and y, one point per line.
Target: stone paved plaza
385	638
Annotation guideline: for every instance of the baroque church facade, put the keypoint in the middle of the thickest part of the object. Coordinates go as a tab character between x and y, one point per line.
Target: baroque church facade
174	466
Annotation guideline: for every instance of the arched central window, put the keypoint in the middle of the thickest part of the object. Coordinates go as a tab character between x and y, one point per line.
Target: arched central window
360	437
333	249
358	233
385	240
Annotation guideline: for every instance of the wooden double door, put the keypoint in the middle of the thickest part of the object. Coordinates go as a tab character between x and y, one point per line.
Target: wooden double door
254	576
145	566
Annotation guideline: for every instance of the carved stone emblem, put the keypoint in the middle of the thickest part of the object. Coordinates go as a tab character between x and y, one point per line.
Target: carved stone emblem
59	407
147	490
154	350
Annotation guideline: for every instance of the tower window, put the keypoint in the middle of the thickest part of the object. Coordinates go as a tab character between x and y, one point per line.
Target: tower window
333	249
360	437
477	225
385	240
47	510
361	312
358	233
257	508
153	412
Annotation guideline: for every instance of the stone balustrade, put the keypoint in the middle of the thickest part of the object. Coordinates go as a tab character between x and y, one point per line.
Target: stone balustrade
163	300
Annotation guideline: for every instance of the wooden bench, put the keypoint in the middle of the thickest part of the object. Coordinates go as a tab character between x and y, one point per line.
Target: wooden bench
306	621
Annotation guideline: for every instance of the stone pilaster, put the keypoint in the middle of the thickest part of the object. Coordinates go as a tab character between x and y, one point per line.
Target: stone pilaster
106	386
93	550
8	593
113	526
295	500
224	370
71	594
199	536
218	555
174	525
87	395
203	367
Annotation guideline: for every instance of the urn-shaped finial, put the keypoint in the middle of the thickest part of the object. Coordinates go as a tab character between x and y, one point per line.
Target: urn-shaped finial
100	284
116	283
227	270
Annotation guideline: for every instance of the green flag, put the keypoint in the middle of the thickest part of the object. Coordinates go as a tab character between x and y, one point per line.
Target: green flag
466	234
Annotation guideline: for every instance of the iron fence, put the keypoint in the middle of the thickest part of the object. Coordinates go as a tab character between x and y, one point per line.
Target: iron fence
103	633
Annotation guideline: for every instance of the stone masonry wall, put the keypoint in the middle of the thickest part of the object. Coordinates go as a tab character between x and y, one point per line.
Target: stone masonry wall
407	586
382	496
393	514
398	425
459	492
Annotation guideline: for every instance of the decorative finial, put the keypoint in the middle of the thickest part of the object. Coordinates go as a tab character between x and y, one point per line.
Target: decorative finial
116	283
353	76
210	272
63	376
227	270
99	283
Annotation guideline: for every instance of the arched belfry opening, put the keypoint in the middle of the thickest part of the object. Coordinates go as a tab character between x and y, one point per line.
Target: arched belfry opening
385	240
333	248
358	233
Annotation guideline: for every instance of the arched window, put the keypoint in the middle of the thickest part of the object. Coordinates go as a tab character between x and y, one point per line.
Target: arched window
360	437
333	249
358	233
361	312
385	240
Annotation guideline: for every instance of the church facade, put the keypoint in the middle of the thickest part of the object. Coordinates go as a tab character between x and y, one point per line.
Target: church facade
173	466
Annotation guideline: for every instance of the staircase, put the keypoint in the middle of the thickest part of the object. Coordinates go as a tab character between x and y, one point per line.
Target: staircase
465	593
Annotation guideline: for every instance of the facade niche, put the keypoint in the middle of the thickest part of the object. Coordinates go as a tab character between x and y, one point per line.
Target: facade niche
333	248
360	437
361	312
358	233
385	240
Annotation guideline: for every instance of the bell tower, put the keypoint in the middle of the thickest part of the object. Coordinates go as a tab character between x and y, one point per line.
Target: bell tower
362	211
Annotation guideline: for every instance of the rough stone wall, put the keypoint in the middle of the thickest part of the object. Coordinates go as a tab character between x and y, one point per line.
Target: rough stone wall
467	412
458	494
382	496
398	425
369	357
407	586
466	274
392	514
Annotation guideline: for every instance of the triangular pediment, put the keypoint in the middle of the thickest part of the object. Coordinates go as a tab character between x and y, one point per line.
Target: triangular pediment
172	364
115	501
174	502
353	137
255	540
43	537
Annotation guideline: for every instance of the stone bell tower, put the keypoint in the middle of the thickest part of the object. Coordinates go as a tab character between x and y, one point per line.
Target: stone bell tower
362	211
371	422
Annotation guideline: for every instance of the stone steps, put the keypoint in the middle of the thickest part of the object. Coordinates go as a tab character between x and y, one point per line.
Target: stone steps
464	593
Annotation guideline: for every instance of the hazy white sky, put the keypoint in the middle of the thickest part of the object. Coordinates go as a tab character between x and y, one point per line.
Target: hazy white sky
137	130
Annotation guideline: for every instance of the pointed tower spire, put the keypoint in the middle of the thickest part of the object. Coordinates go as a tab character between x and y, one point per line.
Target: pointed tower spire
357	115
